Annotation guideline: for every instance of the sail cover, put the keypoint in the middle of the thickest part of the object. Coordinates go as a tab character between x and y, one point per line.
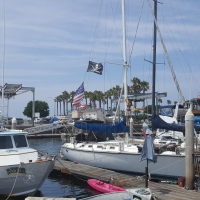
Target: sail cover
104	128
157	122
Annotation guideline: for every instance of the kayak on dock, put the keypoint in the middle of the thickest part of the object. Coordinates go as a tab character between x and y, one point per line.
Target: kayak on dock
104	187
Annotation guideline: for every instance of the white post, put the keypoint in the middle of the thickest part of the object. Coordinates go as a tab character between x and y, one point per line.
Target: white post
14	123
189	149
131	127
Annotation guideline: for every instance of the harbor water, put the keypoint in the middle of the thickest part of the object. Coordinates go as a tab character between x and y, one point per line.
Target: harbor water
57	184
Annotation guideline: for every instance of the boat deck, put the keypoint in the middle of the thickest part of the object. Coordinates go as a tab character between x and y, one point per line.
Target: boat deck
161	191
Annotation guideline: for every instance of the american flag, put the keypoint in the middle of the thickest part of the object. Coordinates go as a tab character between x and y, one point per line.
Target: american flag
78	96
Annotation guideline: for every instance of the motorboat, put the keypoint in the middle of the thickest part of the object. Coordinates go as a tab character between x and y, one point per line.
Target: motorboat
22	169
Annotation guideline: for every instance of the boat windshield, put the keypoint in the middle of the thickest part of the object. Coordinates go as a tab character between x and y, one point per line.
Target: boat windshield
20	141
6	142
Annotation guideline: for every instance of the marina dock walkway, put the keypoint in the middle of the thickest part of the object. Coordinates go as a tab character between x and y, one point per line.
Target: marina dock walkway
161	191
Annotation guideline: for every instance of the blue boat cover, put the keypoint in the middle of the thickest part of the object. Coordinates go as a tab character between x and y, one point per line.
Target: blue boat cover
104	128
157	122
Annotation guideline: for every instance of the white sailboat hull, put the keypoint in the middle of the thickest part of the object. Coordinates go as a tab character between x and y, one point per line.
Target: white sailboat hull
167	165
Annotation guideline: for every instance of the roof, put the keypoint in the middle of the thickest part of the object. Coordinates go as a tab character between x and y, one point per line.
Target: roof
10	90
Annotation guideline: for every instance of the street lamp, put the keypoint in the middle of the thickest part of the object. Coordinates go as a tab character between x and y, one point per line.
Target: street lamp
54	104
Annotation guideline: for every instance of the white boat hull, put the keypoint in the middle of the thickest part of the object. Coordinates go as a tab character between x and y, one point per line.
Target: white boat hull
167	165
27	181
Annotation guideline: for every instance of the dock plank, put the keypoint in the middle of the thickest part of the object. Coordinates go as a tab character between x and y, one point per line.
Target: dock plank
161	191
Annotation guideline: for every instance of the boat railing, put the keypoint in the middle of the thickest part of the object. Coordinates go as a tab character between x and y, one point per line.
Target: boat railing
196	156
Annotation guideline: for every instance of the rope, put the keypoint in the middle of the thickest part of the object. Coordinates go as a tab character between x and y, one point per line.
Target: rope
136	33
14	181
167	166
143	192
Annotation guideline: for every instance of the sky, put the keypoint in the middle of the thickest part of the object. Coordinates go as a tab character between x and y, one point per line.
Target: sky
47	45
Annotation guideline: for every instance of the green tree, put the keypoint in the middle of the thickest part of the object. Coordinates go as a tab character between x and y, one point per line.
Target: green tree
66	97
148	109
159	101
168	102
40	106
71	97
108	95
175	102
86	97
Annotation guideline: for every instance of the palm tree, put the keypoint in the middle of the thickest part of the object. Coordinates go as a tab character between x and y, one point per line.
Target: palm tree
56	100
144	87
99	97
86	96
66	97
175	102
71	97
93	99
159	101
108	95
60	99
168	102
116	92
89	94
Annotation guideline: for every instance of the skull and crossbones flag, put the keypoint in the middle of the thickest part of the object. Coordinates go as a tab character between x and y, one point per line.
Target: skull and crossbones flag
95	67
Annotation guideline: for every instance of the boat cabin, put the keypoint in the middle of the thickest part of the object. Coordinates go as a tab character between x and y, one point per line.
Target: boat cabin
14	148
8	141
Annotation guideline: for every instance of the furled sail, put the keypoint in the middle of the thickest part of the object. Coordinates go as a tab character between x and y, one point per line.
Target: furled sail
157	122
104	128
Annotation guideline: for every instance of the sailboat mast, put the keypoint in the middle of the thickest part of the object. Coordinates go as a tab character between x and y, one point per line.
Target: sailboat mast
124	54
168	59
154	60
2	89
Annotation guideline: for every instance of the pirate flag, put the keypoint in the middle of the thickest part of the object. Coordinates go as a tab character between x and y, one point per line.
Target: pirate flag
95	67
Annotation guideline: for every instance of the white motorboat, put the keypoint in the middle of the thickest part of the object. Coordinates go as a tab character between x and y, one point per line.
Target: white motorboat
22	170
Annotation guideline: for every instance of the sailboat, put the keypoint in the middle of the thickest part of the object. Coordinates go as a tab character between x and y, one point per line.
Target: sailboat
119	155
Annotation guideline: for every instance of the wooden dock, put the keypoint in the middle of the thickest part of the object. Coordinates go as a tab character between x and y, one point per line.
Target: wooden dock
161	191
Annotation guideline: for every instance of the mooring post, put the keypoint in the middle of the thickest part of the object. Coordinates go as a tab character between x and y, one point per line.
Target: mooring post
189	149
131	127
14	123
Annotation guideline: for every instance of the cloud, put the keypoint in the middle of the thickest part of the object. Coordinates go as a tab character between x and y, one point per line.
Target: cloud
48	45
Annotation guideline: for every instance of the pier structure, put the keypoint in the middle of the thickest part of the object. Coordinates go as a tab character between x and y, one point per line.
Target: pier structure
160	191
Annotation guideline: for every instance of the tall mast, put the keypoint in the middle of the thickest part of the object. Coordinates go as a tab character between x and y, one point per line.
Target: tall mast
168	59
124	53
3	61
154	61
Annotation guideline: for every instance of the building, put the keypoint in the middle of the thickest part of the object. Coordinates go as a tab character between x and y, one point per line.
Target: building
95	114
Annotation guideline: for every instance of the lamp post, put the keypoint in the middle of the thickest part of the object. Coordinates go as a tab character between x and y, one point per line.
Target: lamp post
53	104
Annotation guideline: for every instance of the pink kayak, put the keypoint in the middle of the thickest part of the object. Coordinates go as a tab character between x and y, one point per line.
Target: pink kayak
104	187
